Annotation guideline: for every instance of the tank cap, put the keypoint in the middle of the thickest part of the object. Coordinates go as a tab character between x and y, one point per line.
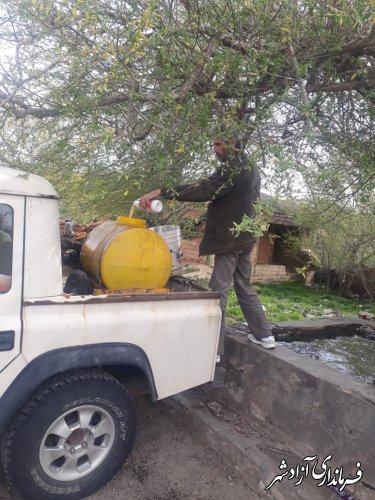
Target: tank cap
130	221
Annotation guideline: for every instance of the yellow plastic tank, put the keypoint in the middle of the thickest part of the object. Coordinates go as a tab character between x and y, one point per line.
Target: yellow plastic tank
125	254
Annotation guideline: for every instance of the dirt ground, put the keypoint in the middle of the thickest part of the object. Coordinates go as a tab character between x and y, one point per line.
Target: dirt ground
168	463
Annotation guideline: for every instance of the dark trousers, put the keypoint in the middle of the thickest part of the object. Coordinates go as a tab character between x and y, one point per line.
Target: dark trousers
236	266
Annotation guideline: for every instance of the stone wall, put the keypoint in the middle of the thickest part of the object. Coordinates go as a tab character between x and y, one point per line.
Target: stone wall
314	409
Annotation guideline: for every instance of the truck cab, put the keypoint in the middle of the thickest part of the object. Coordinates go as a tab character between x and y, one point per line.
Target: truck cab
62	356
30	264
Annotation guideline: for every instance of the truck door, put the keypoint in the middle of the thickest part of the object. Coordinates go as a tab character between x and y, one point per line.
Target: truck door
11	270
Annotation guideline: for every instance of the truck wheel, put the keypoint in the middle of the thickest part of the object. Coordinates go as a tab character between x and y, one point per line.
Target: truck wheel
78	283
70	439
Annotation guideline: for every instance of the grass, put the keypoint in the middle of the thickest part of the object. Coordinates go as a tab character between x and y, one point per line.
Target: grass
290	300
189	270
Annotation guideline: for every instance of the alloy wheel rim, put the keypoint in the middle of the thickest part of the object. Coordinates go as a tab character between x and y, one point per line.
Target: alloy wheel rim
77	442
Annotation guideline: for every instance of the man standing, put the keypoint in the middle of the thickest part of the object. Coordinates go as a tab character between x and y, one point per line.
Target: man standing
232	191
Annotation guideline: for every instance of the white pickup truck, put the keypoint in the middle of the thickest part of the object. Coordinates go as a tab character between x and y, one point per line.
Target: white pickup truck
67	422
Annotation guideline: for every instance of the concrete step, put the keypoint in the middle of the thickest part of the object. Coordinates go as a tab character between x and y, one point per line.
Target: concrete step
249	449
269	270
269	273
306	404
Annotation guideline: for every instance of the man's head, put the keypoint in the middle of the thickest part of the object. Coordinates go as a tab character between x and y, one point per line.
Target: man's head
227	142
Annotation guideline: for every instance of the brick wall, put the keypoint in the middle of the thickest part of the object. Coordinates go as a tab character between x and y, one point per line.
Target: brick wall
261	259
190	250
265	250
254	255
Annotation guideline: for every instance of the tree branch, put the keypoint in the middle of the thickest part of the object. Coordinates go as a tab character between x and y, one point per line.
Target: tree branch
141	136
181	94
340	87
230	44
363	46
301	86
36	113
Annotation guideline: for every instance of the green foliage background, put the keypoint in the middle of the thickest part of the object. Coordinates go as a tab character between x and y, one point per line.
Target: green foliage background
106	98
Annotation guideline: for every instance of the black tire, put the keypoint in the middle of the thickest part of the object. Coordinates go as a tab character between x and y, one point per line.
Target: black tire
78	283
26	444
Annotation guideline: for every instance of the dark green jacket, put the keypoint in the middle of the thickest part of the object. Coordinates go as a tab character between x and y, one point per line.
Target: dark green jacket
232	190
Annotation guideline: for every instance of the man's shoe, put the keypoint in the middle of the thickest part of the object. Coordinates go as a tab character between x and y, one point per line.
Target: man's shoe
267	342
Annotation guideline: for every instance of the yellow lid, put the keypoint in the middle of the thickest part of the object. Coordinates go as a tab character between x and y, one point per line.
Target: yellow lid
130	221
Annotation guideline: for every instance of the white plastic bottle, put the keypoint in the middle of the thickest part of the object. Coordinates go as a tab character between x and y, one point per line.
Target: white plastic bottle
156	206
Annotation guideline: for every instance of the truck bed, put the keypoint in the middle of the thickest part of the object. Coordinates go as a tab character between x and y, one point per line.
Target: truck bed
176	330
177	288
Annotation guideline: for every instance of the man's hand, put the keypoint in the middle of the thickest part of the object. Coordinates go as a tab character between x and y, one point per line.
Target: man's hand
147	199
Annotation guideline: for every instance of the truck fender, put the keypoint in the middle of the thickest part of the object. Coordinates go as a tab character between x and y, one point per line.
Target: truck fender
67	359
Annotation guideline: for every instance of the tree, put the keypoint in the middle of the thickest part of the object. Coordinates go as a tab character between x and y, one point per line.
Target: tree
107	97
339	240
